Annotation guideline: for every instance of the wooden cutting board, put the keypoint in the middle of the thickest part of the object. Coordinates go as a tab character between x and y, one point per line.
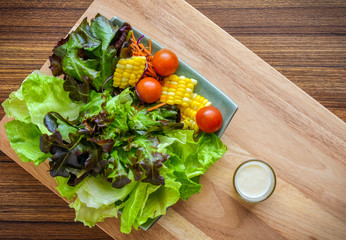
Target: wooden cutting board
276	122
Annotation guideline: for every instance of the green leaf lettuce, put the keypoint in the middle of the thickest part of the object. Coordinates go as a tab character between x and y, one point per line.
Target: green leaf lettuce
25	140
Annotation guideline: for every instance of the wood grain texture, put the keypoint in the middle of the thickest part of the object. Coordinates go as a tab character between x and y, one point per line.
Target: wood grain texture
304	41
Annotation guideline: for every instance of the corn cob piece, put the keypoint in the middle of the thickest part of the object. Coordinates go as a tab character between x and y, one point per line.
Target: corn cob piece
189	113
177	90
128	71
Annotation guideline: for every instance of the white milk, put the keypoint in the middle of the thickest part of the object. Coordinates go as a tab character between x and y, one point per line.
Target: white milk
254	180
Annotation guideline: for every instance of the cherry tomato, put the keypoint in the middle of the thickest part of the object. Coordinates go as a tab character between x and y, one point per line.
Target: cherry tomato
209	119
165	62
149	89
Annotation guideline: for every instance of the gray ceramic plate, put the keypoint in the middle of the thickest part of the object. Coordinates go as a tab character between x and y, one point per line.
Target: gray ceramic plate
205	88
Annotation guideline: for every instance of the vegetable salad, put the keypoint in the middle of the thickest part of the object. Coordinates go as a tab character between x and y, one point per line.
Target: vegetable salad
113	141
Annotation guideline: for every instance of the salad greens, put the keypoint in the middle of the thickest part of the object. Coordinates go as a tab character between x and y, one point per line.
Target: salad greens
106	154
86	53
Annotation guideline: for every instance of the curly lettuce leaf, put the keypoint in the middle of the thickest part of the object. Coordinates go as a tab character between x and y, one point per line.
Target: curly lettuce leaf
70	54
55	60
94	106
116	172
122	37
149	201
96	123
119	107
158	120
113	111
189	186
104	30
209	150
166	113
90	216
64	154
38	95
140	122
43	94
25	140
135	204
54	122
179	142
158	201
197	156
190	158
67	158
97	193
95	198
77	91
88	53
148	159
15	106
65	190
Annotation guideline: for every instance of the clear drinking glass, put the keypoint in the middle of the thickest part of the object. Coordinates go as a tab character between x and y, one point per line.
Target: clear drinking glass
254	180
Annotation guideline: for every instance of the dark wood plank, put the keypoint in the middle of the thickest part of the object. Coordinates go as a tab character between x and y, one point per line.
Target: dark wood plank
28	210
304	40
48	230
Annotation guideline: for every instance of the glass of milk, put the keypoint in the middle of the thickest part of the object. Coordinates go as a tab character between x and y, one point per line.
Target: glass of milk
254	180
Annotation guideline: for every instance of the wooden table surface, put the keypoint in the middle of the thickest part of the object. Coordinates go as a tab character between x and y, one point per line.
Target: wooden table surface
305	41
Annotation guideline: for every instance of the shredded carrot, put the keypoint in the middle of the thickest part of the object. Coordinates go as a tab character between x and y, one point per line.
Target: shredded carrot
140	50
133	37
157	106
136	106
140	108
151	71
136	47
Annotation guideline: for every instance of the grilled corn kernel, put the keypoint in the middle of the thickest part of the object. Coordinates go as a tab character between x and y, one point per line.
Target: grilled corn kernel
177	90
128	71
